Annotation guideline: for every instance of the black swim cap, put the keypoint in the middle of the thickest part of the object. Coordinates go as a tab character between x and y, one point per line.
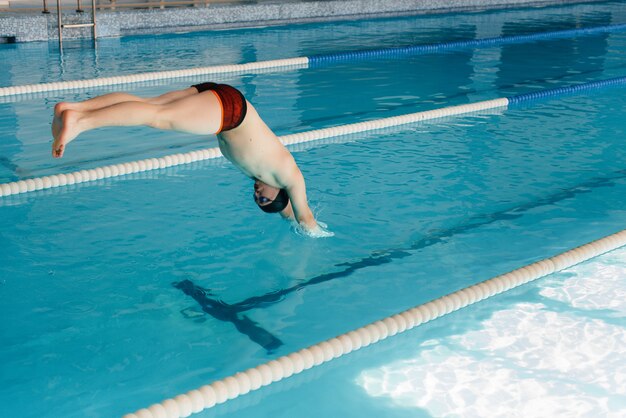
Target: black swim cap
278	204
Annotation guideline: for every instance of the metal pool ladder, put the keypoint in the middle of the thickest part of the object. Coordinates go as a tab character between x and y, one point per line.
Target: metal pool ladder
76	25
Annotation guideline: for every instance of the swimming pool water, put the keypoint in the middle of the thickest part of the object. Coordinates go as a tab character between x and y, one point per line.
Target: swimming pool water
95	319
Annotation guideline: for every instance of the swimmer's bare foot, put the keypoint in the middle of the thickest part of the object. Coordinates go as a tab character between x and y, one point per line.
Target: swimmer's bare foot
59	108
67	129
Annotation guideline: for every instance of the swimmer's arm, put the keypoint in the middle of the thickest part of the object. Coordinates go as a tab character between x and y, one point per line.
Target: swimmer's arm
299	209
302	213
292	180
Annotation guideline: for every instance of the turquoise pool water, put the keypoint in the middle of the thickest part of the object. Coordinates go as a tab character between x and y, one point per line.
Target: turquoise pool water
94	318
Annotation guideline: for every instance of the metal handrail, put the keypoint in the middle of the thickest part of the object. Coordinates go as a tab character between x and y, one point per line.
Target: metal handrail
62	26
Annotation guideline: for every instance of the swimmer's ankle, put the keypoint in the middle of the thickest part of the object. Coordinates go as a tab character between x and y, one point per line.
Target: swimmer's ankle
61	107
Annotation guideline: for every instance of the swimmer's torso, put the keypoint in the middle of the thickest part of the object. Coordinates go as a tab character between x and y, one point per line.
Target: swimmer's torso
254	148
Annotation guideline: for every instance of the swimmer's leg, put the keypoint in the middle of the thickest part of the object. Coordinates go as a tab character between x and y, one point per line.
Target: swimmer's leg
198	113
173	96
111	99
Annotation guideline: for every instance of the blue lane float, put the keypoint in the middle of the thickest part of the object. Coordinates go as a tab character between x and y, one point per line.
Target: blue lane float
564	91
329	59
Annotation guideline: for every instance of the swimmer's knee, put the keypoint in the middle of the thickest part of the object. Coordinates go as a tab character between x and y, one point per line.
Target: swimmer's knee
155	118
165	118
159	123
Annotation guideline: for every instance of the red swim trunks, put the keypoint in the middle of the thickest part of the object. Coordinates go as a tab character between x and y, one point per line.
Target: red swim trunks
233	104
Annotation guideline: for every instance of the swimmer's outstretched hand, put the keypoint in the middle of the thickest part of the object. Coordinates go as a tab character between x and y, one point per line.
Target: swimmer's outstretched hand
318	231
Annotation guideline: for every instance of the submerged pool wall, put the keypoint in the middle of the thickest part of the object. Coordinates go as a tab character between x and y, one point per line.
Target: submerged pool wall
22	27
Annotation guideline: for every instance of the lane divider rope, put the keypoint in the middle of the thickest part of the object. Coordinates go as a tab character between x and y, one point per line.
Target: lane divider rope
56	180
82	176
314	61
324	59
283	367
247	68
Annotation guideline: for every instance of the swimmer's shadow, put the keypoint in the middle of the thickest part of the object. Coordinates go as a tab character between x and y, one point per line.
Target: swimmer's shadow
194	314
228	313
233	312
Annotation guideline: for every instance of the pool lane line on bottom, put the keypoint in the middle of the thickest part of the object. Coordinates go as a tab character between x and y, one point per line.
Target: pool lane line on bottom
283	367
56	180
314	61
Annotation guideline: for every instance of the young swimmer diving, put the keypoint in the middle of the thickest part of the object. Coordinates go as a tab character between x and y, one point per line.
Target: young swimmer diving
203	109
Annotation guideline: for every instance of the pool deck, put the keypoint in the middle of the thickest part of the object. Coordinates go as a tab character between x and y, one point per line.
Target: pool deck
29	26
